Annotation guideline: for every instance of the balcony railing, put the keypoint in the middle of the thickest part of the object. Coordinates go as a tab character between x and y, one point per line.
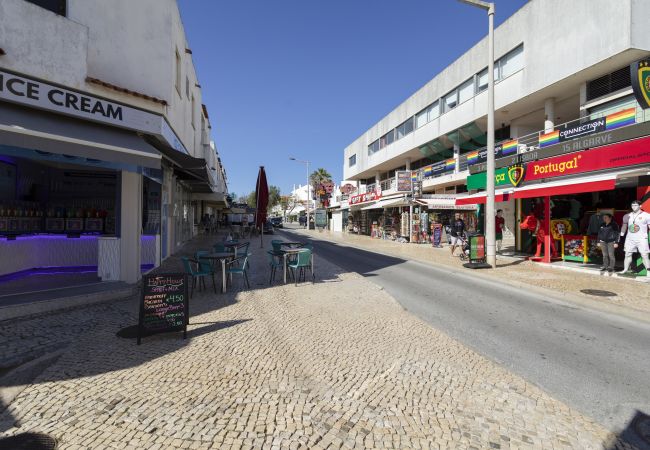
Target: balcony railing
387	185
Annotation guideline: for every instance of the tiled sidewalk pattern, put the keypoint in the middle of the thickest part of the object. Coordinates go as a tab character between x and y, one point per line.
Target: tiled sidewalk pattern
336	364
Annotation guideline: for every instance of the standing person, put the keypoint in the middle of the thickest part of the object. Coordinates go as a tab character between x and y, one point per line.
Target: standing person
608	237
499	225
457	232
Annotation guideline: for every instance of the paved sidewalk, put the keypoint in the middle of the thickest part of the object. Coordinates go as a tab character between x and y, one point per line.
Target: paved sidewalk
336	364
633	296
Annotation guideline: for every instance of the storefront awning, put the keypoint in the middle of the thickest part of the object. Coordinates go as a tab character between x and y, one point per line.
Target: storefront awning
387	203
443	202
480	198
214	198
48	133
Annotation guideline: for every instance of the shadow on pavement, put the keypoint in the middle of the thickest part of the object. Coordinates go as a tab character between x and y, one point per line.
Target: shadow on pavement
637	433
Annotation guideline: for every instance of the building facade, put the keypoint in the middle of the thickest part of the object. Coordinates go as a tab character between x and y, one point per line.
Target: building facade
562	74
105	148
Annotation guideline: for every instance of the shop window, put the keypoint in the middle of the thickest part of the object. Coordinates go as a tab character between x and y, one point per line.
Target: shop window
433	111
607	108
56	6
352	161
612	82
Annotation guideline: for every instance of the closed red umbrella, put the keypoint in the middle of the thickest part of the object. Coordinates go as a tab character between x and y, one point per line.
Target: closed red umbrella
262	200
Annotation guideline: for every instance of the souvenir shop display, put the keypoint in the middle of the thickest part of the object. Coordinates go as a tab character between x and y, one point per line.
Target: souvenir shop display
404	229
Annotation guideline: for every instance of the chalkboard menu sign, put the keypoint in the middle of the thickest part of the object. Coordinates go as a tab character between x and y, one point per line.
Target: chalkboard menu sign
164	305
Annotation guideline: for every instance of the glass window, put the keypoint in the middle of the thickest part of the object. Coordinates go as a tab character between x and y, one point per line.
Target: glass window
405	128
374	147
421	118
481	81
466	91
450	101
433	111
390	137
352	160
512	62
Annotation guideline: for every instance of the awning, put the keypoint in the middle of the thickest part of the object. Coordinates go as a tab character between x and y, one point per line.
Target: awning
215	198
443	202
481	198
579	185
47	133
387	203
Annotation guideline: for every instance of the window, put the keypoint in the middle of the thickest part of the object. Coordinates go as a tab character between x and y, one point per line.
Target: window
422	118
387	139
482	81
405	128
352	161
56	6
450	101
193	111
612	82
434	111
466	91
511	62
187	87
373	148
178	72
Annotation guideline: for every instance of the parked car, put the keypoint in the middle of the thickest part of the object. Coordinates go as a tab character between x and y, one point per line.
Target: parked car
276	222
268	227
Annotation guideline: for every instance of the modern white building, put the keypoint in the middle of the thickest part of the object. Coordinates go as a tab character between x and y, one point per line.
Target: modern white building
557	62
106	157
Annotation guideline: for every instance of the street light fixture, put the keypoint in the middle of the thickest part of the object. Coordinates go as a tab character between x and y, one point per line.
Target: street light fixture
308	187
490	232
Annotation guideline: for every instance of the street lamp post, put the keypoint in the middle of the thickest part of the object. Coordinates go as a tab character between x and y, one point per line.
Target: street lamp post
490	232
308	187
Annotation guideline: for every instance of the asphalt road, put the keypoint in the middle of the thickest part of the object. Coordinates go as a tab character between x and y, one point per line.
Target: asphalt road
595	362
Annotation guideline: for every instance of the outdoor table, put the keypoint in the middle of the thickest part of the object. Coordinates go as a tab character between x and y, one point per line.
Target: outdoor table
292	244
294	251
223	257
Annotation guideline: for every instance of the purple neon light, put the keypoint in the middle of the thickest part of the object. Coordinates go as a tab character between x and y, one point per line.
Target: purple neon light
57	270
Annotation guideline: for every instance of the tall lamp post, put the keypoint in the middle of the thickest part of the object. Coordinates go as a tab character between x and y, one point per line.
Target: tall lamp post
308	187
490	232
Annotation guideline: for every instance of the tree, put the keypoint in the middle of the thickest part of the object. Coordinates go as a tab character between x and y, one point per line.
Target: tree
319	176
251	200
274	196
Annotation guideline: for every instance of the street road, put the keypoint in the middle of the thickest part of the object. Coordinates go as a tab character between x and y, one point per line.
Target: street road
595	362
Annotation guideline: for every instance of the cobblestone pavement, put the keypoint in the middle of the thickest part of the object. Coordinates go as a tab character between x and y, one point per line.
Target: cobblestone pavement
336	364
632	295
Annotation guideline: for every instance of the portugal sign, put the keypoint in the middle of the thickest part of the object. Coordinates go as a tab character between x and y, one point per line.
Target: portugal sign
640	74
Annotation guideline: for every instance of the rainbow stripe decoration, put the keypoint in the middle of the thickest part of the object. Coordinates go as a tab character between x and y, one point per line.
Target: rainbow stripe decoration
509	147
472	157
428	171
620	119
414	176
450	163
549	138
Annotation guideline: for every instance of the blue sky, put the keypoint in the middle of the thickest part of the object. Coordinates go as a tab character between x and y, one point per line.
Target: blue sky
305	78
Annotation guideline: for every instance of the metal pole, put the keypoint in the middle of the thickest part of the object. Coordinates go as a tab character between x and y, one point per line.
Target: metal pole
490	232
308	196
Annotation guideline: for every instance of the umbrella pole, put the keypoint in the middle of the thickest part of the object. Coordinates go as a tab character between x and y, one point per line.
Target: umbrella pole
257	212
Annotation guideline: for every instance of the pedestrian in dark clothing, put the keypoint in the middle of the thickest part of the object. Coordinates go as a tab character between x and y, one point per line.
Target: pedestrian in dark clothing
608	236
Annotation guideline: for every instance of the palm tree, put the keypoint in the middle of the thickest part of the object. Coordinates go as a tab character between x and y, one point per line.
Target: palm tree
319	176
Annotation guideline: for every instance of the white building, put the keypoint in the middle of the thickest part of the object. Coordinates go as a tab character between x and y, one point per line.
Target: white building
556	62
101	118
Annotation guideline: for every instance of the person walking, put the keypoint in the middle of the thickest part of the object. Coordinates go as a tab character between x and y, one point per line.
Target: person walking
608	237
457	227
499	225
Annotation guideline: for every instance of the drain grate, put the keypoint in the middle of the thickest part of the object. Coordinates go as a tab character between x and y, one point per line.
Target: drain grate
29	441
598	292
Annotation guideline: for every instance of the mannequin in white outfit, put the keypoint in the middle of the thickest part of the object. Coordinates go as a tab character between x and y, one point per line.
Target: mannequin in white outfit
636	224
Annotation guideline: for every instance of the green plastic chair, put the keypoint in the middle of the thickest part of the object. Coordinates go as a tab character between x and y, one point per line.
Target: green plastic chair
200	273
277	245
234	267
300	264
274	264
219	247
